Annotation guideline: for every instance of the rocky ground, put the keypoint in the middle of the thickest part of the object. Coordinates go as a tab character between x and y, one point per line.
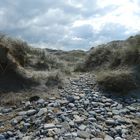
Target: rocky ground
81	113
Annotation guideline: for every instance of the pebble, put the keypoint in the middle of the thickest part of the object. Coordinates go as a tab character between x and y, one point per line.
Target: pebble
31	112
83	134
2	137
49	126
107	137
79	114
42	111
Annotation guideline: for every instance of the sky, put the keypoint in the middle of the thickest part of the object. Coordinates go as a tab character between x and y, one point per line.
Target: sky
69	24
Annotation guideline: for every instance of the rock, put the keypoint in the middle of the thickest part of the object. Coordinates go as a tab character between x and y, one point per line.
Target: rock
83	134
107	137
70	99
48	138
16	120
92	119
78	119
31	112
131	108
41	101
42	111
118	138
49	126
74	134
138	114
2	137
22	113
82	127
71	105
9	133
86	102
93	113
71	123
6	110
110	122
115	112
66	126
27	104
96	139
26	138
77	138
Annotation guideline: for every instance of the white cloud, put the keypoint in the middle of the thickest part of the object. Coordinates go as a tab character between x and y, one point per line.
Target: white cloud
70	24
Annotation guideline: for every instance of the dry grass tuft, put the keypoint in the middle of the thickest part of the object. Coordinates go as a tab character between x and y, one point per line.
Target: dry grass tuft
116	80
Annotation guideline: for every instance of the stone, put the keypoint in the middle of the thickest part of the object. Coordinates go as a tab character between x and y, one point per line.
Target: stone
48	138
131	108
92	119
42	111
77	138
96	139
49	126
74	134
118	138
71	105
16	120
82	127
31	112
41	101
71	123
22	113
26	138
9	133
66	125
6	110
138	114
83	134
107	137
110	122
78	119
27	104
70	99
93	113
115	112
2	137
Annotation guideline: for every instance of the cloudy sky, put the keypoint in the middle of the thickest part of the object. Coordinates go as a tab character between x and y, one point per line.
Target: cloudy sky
70	24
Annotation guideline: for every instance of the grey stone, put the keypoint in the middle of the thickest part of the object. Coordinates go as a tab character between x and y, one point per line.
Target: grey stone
78	119
26	138
115	112
6	110
131	108
82	127
79	138
107	137
48	138
27	104
2	137
31	112
71	105
41	101
96	139
49	126
66	125
118	138
110	122
83	134
92	119
22	113
42	111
